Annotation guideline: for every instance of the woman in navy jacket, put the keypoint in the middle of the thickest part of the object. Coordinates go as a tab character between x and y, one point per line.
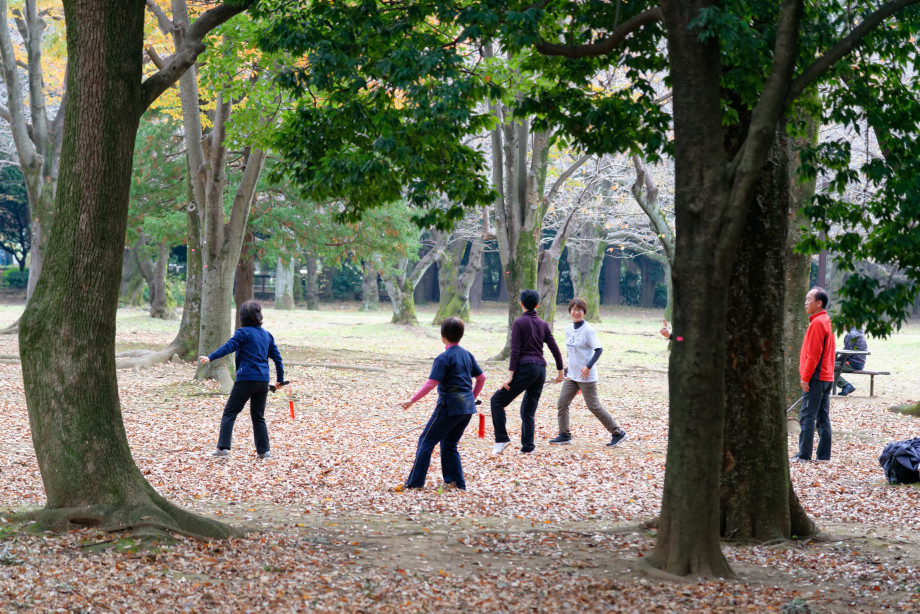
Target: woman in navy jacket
253	346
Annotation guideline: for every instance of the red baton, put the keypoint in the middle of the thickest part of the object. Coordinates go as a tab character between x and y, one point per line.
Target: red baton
482	426
292	409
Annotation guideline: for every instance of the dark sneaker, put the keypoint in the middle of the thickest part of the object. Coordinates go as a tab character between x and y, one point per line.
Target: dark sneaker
846	390
799	459
562	438
617	439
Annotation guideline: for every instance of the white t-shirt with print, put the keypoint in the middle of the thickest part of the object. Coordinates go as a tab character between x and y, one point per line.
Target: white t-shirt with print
580	344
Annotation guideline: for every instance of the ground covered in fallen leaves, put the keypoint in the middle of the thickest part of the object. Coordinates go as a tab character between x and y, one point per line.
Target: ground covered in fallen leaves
556	530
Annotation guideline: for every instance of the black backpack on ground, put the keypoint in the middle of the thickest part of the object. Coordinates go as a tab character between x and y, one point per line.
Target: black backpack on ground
901	461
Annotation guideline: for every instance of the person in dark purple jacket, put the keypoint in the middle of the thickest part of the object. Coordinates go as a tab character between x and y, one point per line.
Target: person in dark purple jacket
526	373
253	346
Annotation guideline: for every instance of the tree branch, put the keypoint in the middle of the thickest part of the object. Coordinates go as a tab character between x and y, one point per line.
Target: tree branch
606	45
192	45
166	25
842	48
557	185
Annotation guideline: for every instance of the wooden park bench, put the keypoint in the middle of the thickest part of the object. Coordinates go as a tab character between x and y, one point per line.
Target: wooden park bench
839	367
871	375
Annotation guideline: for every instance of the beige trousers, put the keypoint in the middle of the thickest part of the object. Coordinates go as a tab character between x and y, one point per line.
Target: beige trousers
589	392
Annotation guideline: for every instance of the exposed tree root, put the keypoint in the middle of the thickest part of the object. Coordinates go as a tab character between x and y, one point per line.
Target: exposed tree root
11	329
646	568
157	513
149	358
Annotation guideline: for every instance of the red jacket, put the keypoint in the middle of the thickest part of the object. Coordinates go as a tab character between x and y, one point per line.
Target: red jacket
818	336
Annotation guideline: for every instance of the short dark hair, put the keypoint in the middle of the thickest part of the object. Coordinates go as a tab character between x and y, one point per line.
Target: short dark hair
530	299
821	295
452	329
251	313
578	302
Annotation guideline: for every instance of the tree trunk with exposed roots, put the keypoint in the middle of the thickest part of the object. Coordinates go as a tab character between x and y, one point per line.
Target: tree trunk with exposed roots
67	345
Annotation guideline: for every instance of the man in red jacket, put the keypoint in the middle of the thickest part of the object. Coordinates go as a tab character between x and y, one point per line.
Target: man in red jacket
816	372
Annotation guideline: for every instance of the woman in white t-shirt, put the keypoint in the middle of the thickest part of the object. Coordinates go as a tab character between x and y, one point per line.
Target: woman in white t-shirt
583	348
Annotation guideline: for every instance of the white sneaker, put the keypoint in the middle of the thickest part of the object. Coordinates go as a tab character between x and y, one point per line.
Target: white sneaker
266	454
220	453
500	446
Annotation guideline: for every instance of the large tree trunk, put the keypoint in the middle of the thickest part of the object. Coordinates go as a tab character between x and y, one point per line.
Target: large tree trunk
68	346
402	300
370	292
244	283
707	237
755	487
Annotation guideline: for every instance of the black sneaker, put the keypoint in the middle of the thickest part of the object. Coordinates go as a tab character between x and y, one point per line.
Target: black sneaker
562	438
617	439
849	388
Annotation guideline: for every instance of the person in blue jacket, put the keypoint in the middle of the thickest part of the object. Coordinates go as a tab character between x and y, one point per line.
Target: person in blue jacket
452	373
253	346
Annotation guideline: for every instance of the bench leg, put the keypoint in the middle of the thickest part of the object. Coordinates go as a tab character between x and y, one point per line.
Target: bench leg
871	385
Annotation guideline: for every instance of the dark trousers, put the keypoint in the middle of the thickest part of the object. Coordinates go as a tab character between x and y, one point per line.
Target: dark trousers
529	380
447	431
256	393
816	409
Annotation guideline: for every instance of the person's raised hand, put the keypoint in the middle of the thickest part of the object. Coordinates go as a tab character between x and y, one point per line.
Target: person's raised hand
664	330
204	360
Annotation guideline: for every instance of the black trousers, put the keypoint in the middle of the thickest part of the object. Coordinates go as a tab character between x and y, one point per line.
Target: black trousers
529	380
816	410
256	393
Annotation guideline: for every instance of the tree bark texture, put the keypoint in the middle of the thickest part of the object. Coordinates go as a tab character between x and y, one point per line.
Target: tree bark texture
284	284
132	282
455	282
311	295
688	534
611	271
755	482
648	282
36	137
244	283
68	346
585	270
370	291
158	308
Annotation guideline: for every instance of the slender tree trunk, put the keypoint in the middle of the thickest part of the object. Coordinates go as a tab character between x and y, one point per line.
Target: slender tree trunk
402	299
312	292
476	289
67	345
612	267
370	292
145	266
244	283
456	283
585	270
186	342
158	308
649	281
132	282
284	284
